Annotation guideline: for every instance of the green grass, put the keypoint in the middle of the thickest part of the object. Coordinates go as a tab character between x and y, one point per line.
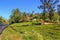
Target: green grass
27	31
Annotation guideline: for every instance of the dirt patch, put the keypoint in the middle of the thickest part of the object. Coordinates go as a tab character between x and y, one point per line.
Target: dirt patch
48	23
0	37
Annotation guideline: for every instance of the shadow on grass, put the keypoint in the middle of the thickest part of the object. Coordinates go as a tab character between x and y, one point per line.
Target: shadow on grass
21	32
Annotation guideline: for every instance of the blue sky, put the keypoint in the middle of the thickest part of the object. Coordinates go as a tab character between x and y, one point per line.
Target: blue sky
6	6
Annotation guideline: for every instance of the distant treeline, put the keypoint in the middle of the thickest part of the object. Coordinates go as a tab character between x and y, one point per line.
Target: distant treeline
48	15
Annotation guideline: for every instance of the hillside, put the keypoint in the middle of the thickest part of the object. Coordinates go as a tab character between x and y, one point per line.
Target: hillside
27	31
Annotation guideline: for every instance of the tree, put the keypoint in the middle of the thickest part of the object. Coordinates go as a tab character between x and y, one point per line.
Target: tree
43	6
15	16
55	19
24	17
51	4
31	14
2	20
59	11
48	6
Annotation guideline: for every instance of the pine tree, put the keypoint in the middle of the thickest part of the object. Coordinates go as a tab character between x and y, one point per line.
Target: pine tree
15	16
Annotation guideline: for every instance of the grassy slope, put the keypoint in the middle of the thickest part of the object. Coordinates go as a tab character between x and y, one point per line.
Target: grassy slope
27	31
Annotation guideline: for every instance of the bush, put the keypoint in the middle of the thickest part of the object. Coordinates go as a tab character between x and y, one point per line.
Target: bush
36	22
47	20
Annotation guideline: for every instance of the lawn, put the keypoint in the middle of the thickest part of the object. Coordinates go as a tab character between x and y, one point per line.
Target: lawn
27	31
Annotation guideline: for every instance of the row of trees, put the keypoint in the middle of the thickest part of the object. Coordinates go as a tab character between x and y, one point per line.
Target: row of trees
48	14
17	17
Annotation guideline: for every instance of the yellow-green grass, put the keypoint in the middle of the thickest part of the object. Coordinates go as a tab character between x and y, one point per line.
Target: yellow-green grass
27	31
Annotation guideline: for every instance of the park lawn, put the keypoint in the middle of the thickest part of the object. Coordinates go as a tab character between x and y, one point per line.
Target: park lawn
27	31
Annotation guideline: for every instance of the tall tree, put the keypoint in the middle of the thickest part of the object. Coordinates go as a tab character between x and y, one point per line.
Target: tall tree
59	11
51	4
15	16
43	6
48	6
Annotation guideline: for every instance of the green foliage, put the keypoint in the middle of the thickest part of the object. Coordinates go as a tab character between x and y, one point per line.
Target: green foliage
24	17
48	6
36	22
2	20
55	18
58	9
47	20
59	12
15	16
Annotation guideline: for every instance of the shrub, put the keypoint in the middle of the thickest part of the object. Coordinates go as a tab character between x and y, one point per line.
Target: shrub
36	22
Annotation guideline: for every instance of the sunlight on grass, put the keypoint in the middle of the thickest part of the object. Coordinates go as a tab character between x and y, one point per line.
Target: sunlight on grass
34	32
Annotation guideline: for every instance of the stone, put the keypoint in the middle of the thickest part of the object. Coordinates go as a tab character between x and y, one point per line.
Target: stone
2	27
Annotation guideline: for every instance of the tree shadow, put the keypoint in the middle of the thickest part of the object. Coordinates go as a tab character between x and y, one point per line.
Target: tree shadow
21	32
